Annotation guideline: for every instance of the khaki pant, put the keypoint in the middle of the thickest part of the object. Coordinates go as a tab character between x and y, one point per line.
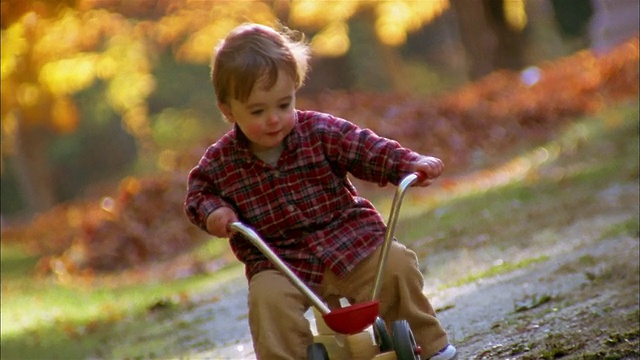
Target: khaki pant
276	308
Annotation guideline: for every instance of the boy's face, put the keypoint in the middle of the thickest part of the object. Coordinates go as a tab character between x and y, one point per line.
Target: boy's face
267	116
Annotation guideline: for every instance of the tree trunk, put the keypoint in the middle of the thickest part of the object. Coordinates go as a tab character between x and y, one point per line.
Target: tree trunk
477	37
511	42
489	41
32	168
375	66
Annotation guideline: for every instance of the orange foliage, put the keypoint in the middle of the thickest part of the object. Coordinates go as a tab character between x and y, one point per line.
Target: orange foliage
52	50
496	112
144	221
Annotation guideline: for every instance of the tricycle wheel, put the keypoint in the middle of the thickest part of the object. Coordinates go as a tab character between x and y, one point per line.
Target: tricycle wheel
403	341
383	339
317	351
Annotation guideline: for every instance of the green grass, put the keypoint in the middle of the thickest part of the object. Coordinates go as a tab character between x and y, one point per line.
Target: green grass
592	156
42	319
498	269
602	154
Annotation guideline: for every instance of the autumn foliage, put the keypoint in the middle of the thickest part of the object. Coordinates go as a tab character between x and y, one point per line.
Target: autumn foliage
144	222
499	110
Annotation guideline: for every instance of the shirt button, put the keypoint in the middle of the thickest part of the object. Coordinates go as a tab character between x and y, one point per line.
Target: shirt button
291	208
320	248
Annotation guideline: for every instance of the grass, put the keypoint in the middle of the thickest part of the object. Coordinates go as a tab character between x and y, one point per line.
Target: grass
581	171
495	270
42	319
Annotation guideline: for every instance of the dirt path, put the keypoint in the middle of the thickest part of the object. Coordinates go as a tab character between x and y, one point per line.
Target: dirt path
570	290
579	301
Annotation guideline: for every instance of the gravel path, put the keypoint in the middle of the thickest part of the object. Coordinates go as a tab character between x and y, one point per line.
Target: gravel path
472	312
579	297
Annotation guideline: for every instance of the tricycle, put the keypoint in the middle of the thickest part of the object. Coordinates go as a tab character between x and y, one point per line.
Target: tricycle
341	331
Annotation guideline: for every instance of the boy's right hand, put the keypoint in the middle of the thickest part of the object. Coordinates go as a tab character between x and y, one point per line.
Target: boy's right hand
219	220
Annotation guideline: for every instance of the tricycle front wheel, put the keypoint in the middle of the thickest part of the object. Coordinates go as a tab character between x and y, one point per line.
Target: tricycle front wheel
317	351
403	341
382	336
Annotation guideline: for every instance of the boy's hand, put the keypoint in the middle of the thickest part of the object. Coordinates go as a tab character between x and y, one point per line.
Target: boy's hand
431	167
219	220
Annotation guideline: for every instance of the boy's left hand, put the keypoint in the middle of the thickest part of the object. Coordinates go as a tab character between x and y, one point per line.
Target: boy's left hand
430	166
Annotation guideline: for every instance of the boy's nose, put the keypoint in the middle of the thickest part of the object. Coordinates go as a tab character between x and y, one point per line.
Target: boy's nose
272	118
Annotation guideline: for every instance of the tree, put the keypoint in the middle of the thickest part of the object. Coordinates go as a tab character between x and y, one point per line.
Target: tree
492	34
51	51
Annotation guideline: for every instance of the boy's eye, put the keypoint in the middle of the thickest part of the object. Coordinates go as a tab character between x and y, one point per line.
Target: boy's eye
284	106
256	112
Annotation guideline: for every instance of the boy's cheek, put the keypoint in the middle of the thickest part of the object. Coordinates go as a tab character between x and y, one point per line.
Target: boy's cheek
251	129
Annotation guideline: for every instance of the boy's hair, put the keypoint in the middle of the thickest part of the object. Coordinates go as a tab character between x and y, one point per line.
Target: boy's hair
251	51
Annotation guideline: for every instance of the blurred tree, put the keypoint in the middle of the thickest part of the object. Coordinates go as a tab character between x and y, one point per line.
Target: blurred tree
50	52
363	38
53	50
492	32
573	16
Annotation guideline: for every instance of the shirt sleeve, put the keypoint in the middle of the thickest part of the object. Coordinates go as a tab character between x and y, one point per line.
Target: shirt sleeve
364	154
202	197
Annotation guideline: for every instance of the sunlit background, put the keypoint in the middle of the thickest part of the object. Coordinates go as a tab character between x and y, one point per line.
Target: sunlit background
94	90
107	104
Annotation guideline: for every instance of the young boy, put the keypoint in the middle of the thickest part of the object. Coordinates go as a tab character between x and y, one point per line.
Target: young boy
283	172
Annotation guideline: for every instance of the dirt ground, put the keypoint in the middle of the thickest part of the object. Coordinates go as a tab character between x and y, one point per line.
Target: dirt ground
579	302
573	292
582	303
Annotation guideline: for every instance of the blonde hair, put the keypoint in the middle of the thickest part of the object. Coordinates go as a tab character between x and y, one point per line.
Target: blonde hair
252	51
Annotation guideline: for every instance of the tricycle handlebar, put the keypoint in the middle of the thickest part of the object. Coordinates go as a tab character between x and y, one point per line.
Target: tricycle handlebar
405	183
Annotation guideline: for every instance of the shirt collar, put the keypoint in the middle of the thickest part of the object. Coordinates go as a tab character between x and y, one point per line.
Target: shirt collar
241	143
292	140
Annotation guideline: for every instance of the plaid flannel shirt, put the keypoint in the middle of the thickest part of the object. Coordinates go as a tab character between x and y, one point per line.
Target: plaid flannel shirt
305	207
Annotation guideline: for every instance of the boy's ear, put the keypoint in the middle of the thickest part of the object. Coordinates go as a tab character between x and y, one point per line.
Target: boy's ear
225	109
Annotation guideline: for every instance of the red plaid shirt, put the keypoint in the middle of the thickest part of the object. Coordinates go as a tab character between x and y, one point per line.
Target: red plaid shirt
305	208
